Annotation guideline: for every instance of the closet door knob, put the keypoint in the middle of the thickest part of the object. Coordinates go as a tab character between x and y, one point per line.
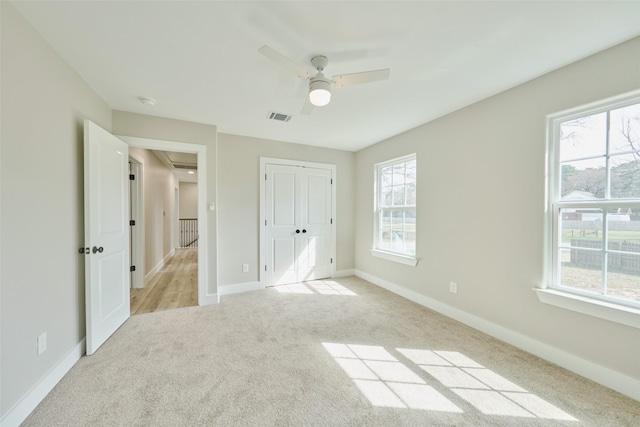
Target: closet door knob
304	231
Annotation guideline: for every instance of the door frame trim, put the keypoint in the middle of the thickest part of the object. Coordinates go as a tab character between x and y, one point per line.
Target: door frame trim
201	151
137	210
264	161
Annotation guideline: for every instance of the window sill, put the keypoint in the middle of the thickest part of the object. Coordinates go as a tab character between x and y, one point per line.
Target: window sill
615	313
389	256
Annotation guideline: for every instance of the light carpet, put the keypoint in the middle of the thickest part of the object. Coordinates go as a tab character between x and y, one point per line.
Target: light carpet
324	353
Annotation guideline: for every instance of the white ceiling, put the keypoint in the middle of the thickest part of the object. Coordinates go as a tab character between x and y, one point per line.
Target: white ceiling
200	60
188	161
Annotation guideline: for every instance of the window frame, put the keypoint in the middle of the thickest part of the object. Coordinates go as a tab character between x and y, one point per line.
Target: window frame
551	291
376	250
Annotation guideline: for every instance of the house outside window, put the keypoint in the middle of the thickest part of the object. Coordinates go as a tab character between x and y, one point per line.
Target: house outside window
594	203
395	210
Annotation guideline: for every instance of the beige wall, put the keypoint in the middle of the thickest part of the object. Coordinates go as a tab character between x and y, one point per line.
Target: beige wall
159	202
239	204
143	126
481	206
44	103
188	200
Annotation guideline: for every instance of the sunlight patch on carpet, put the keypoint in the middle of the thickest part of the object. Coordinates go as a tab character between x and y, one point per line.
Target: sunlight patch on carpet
385	381
433	380
315	287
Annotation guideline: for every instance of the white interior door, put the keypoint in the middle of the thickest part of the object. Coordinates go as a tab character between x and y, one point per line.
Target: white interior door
314	251
298	223
106	181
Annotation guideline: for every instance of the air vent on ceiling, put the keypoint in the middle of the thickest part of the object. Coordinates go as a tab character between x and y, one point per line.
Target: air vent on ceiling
279	116
184	166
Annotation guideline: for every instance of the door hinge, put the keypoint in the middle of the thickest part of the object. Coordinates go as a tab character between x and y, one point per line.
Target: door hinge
132	222
265	222
132	268
131	177
331	220
265	268
331	260
265	176
331	181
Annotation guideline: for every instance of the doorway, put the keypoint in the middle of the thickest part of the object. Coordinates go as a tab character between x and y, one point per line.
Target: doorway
170	270
297	233
204	296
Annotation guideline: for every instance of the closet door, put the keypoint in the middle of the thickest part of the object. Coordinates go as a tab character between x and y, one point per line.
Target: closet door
298	223
314	257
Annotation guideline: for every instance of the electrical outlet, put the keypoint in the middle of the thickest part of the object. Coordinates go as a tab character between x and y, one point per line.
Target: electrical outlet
42	343
453	287
245	268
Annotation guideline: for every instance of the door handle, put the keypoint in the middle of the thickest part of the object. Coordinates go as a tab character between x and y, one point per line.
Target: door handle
297	231
96	249
304	231
85	251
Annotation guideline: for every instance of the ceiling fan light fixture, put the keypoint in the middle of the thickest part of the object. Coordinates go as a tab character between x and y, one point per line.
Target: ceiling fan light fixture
319	91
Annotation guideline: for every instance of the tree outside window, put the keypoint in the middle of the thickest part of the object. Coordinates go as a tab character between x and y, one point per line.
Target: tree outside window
595	203
396	206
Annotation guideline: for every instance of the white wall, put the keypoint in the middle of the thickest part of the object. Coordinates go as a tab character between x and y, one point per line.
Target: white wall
159	207
481	207
143	126
188	200
44	103
239	201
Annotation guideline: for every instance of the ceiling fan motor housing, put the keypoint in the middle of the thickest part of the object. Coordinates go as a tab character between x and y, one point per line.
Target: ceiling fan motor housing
319	62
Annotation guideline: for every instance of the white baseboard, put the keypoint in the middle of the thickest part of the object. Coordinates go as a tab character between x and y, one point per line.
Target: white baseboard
22	409
600	374
209	299
155	270
344	273
239	287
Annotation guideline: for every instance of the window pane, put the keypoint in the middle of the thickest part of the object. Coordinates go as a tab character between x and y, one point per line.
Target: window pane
625	129
385	228
581	269
623	276
398	195
397	220
386	176
398	174
623	259
625	176
578	226
623	226
583	137
410	231
385	219
386	194
583	180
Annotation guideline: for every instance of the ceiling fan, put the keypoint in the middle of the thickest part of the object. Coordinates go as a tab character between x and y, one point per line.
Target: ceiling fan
319	85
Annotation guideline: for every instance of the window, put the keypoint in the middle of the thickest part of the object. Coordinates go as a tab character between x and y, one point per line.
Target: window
395	220
594	203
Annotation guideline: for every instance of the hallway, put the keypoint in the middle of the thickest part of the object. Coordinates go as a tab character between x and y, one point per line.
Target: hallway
175	286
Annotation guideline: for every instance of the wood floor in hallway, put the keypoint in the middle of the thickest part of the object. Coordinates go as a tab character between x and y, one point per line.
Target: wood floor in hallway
174	286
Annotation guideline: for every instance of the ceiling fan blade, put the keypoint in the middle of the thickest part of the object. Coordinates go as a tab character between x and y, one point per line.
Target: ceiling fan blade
308	106
285	62
345	80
